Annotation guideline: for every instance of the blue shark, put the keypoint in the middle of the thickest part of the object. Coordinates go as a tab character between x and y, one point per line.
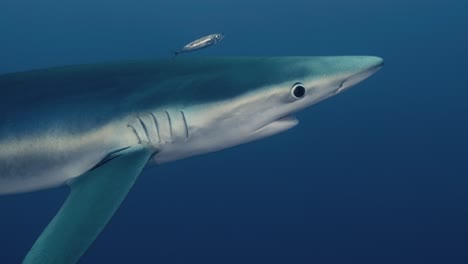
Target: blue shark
96	127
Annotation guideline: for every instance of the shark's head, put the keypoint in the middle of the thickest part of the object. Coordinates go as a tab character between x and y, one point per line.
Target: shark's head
253	98
218	37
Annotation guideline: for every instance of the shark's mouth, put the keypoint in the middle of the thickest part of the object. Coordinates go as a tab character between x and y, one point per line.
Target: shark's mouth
278	125
287	119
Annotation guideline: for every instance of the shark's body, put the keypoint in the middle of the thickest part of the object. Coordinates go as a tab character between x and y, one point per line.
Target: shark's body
61	125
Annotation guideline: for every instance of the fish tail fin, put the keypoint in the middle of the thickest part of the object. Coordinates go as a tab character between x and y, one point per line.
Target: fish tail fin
175	53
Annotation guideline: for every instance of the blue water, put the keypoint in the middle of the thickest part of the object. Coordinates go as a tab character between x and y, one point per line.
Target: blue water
378	174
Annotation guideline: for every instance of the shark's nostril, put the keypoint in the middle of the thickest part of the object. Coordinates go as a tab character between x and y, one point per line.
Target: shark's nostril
342	84
341	87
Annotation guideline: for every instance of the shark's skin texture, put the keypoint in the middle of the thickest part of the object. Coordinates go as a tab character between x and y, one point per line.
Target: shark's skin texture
95	127
58	123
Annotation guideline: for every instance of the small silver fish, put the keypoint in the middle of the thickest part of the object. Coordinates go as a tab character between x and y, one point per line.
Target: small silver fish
201	43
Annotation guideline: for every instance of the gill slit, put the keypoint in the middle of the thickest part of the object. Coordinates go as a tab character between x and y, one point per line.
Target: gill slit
157	126
170	124
135	132
185	124
144	128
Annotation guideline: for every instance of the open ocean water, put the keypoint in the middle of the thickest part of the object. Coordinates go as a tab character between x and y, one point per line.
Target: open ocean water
378	174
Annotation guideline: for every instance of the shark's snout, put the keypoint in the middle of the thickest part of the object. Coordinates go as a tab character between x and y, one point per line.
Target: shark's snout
373	62
364	68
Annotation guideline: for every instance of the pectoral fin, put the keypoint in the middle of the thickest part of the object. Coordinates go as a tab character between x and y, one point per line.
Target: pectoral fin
93	199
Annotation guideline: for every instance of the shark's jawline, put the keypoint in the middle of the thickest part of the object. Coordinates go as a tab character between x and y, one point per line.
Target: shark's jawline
288	120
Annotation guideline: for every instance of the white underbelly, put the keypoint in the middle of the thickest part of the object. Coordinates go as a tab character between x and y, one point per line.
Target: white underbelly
36	163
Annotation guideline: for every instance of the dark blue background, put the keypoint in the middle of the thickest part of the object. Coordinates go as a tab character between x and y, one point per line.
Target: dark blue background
378	174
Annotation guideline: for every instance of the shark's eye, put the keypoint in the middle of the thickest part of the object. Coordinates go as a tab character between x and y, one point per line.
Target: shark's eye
298	90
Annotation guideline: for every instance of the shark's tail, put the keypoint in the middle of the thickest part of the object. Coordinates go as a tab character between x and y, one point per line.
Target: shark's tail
175	53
